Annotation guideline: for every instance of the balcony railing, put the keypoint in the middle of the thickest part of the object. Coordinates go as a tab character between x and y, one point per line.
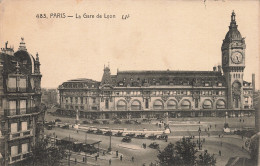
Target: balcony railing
18	157
20	134
20	111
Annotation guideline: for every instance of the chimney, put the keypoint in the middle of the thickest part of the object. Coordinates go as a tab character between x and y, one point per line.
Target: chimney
219	68
214	68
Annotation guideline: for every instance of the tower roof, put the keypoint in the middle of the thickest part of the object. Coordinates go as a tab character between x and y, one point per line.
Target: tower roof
233	32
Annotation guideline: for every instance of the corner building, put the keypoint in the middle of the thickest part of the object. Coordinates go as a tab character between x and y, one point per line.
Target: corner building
21	115
154	94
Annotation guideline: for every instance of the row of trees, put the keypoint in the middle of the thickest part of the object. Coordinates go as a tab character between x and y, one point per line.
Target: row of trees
184	153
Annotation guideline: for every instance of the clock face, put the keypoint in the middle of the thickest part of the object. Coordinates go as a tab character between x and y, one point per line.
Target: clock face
237	57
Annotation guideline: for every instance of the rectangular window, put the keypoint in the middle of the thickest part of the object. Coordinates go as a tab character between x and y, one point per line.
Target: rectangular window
24	126
23	106
25	148
14	128
196	103
146	103
246	99
22	83
12	107
81	100
71	99
94	100
14	150
12	82
107	104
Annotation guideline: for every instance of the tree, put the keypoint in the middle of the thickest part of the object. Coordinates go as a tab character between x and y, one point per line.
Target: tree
206	159
184	154
254	148
44	155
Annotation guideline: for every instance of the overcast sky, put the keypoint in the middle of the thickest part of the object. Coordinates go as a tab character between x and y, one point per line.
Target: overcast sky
158	35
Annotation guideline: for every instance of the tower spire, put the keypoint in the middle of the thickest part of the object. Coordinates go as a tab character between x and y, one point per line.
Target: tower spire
233	23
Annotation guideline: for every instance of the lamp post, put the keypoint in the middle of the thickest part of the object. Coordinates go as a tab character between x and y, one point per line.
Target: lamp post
199	138
109	148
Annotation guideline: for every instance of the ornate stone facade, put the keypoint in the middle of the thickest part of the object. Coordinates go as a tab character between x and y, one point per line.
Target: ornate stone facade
179	93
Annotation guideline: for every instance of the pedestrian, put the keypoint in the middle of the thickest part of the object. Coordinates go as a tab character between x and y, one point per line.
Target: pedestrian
75	161
109	161
219	136
199	122
219	152
209	126
221	143
83	159
77	131
242	147
96	157
205	130
240	120
117	153
243	120
121	158
133	159
215	125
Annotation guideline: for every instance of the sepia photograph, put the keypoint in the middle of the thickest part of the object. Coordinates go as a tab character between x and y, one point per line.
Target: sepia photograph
129	83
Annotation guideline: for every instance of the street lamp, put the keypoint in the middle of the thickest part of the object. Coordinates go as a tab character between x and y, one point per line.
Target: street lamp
199	138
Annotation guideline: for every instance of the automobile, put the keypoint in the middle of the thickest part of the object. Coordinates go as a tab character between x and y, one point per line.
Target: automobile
66	126
105	122
154	145
126	139
99	132
136	122
119	134
152	137
86	122
49	127
140	136
130	135
108	133
57	120
117	121
90	131
128	122
162	137
96	122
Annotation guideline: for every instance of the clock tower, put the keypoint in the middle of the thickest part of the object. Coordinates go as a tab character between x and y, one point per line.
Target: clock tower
233	64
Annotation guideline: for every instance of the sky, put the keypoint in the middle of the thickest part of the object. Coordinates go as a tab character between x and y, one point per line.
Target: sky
157	35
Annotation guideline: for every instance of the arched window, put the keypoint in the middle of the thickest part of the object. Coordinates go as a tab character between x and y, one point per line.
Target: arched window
121	105
171	104
207	104
185	104
158	105
136	105
221	104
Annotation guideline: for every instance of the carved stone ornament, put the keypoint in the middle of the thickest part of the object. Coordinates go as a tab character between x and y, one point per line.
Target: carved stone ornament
128	98
178	98
165	98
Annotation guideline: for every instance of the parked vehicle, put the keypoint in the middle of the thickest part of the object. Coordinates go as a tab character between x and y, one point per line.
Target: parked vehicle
57	120
128	122
154	145
119	134
140	136
105	122
130	135
86	122
162	137
117	121
127	139
108	133
49	127
99	132
96	122
152	137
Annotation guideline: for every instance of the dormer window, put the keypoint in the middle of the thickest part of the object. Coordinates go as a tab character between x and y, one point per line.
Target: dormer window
219	84
206	84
